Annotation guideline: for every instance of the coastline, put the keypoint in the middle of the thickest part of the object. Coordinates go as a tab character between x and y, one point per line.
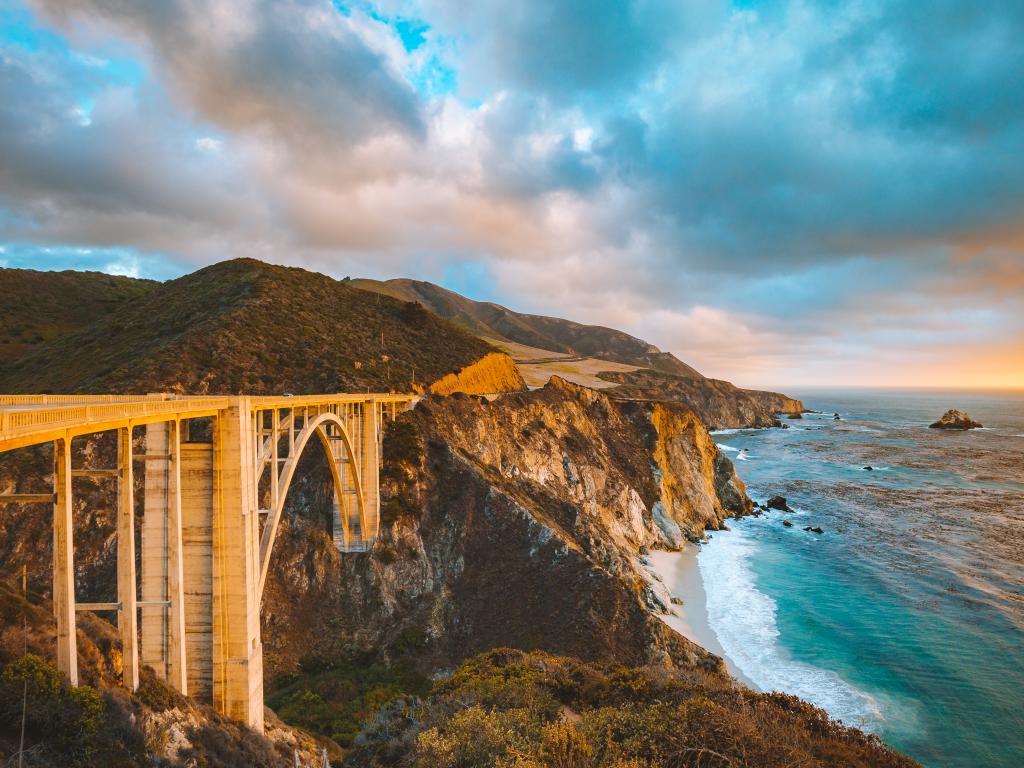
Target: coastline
680	575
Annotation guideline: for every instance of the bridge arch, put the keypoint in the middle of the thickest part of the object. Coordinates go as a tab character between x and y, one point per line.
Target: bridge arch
338	446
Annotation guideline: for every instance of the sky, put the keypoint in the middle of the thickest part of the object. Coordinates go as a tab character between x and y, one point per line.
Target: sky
790	192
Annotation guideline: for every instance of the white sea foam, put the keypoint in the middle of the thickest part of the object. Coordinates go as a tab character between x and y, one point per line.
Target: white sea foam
729	448
743	619
726	431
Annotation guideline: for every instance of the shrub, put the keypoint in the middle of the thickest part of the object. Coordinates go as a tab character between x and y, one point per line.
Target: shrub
66	717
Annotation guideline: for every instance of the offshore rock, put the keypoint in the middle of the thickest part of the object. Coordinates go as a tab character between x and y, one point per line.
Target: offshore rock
954	419
778	502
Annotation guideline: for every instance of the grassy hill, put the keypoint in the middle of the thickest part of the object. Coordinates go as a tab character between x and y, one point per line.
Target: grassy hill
39	307
550	333
594	356
241	326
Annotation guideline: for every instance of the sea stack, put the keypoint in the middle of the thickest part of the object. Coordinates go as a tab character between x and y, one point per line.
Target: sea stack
954	419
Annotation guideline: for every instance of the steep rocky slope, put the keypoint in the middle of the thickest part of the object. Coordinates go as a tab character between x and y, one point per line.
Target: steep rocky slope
516	522
246	326
39	307
494	372
719	403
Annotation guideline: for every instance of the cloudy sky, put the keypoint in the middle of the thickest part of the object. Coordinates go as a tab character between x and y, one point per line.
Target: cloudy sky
792	192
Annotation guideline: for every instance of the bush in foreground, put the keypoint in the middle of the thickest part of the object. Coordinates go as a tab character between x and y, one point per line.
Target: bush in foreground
511	709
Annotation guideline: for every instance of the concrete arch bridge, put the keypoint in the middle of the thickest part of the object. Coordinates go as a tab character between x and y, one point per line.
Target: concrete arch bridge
206	542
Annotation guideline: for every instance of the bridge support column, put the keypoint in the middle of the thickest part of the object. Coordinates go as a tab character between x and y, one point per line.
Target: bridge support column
64	562
237	650
127	617
368	471
163	631
197	545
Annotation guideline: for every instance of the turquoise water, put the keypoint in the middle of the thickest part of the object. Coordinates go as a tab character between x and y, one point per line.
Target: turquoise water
906	617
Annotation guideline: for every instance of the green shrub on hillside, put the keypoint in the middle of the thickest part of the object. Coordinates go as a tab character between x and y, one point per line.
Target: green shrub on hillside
511	709
68	717
337	699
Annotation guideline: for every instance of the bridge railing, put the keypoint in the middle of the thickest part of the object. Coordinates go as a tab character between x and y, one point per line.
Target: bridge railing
17	423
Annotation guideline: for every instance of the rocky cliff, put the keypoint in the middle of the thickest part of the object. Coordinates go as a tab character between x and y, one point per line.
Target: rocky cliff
720	404
493	373
518	522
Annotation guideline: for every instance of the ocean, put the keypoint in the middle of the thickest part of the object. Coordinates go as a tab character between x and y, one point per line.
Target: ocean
906	616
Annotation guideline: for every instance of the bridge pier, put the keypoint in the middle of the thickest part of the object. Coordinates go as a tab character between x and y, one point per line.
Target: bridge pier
163	631
127	614
237	649
64	561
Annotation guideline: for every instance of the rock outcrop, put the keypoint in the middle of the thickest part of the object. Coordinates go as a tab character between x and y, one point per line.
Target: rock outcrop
512	523
720	404
954	419
494	373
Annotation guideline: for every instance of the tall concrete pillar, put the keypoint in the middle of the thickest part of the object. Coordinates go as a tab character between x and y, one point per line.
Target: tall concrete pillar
63	562
237	650
154	650
370	455
197	554
162	597
127	616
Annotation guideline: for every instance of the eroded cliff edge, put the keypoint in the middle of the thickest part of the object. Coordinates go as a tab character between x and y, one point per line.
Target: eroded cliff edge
516	523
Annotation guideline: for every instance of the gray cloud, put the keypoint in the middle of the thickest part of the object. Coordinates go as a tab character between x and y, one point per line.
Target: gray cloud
798	176
297	68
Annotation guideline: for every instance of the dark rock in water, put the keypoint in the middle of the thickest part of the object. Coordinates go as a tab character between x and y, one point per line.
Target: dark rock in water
785	426
869	468
837	417
778	502
795	416
815	529
954	419
787	523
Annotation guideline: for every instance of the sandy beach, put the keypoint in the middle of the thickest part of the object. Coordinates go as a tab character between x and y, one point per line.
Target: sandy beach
680	574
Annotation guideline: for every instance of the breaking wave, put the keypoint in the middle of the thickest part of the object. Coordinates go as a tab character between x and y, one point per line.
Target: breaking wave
743	619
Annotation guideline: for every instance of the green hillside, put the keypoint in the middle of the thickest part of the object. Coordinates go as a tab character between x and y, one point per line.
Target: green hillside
551	333
246	326
39	307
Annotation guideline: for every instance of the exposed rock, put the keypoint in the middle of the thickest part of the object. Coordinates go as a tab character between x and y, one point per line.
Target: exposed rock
954	419
869	468
719	404
787	523
488	557
814	529
778	502
493	373
795	416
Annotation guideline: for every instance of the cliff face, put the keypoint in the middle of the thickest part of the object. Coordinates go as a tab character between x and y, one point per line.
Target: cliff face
513	523
776	402
720	404
493	373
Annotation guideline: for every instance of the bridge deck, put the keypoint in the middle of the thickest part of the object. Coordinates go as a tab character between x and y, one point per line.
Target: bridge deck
33	419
